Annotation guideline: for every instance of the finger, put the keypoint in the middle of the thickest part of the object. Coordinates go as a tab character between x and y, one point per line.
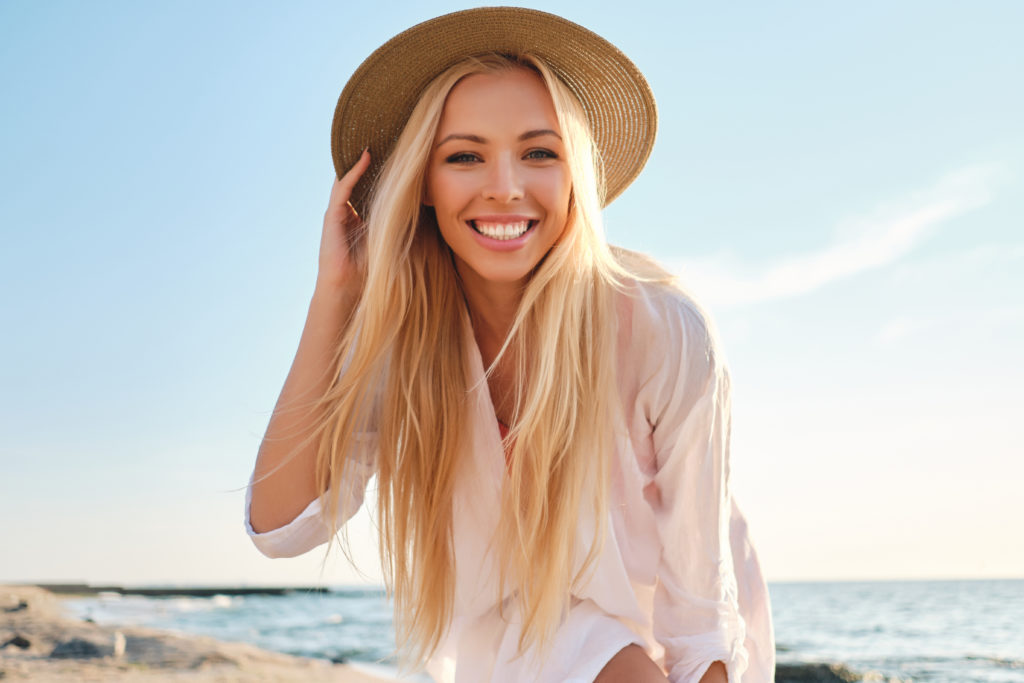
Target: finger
349	180
341	190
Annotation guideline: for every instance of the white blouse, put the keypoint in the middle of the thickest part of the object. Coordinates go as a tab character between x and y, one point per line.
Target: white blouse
678	573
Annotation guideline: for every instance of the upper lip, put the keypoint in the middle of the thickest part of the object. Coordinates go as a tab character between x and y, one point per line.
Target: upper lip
502	218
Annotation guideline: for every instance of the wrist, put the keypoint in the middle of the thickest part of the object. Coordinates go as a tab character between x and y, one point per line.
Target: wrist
335	289
332	298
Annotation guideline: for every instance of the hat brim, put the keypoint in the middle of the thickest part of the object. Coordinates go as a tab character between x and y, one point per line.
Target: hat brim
379	97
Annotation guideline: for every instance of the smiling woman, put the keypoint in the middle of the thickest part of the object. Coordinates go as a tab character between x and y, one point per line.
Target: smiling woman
547	417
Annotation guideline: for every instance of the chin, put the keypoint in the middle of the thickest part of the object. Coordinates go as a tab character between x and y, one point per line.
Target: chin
499	273
507	276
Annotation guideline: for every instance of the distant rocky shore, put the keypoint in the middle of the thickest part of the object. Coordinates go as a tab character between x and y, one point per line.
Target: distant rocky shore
192	591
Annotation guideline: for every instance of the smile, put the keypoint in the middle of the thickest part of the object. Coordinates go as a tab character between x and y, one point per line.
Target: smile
502	231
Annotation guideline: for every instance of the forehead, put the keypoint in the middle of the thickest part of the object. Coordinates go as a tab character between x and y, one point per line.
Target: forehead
514	98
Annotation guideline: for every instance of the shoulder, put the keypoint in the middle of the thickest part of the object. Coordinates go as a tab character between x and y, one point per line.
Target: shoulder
669	350
661	316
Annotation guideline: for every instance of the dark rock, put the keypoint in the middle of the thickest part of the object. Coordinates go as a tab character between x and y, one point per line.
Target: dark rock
18	642
815	673
78	648
160	651
22	605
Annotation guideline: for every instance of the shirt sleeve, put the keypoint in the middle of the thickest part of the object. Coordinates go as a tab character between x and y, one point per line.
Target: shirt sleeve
310	528
696	612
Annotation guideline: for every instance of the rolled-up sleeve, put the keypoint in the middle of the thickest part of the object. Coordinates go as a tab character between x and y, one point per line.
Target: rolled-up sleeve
696	613
310	528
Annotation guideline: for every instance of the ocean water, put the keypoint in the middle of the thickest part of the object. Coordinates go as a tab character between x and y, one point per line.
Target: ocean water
935	631
941	631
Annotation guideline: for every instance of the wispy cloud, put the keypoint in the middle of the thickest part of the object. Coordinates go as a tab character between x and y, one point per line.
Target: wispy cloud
862	243
983	258
967	325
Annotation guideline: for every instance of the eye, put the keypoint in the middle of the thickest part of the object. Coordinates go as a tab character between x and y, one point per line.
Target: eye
541	154
462	158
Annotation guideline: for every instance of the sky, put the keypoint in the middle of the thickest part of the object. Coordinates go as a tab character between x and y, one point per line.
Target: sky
842	185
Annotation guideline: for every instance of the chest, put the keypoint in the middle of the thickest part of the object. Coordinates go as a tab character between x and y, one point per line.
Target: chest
502	387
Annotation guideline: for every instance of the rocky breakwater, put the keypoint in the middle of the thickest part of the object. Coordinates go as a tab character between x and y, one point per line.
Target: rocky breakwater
826	673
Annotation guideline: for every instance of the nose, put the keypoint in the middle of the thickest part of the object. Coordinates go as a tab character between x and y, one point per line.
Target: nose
504	182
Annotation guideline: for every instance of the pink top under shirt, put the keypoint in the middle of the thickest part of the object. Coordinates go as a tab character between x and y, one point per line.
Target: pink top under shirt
678	573
503	432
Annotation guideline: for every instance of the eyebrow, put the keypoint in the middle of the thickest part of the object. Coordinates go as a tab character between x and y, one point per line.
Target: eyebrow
479	140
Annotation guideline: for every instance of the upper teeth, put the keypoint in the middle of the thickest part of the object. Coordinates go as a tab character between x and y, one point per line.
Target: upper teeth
502	231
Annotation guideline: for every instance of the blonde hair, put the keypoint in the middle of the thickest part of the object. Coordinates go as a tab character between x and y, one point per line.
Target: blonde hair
401	371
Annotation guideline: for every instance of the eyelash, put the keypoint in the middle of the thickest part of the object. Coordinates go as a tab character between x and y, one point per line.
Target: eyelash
461	157
465	157
548	154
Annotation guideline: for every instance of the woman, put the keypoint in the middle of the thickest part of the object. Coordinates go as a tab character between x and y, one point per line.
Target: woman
547	418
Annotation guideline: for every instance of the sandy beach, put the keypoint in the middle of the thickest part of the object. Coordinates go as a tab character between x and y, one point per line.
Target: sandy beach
40	642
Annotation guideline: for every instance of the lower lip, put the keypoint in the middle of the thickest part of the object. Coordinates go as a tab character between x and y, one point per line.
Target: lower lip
503	245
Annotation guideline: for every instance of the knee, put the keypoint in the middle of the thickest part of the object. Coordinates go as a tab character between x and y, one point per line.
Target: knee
631	665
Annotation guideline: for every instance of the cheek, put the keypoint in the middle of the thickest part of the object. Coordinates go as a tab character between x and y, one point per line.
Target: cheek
557	199
431	183
557	193
447	191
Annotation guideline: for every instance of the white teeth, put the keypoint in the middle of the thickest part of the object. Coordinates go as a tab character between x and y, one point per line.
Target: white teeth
502	231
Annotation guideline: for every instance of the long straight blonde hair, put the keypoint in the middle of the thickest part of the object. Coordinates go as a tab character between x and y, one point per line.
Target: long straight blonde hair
401	371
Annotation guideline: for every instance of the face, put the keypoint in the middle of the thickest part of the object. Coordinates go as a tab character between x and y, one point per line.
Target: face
497	176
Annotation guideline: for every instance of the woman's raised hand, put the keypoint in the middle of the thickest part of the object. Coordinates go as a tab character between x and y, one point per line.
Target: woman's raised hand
285	480
337	268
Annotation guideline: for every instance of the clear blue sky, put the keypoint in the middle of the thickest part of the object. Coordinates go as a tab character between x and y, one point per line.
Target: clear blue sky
841	184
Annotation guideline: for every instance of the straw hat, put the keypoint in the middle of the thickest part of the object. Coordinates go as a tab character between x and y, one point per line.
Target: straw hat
381	94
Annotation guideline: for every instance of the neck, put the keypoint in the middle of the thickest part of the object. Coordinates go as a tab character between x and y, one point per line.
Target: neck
492	310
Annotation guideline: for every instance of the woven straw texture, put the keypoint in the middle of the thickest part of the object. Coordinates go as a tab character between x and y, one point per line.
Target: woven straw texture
380	95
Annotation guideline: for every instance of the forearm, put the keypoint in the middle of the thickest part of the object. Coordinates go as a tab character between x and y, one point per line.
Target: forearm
279	498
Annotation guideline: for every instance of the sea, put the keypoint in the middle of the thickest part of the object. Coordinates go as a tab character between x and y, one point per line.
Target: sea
936	631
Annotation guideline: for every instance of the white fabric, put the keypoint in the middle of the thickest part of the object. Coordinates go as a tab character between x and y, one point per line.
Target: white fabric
678	573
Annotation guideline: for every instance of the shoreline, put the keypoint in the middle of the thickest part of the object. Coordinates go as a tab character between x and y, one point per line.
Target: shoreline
40	641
